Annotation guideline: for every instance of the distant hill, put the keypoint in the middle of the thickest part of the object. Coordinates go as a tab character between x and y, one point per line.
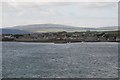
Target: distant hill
57	27
50	28
109	28
13	31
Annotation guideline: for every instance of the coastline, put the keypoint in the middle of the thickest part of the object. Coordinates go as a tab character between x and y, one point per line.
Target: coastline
62	42
63	37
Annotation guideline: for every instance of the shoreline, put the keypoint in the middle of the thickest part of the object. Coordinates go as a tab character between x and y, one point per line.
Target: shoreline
63	42
63	37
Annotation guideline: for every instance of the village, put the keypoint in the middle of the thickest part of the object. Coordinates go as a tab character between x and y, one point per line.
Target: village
64	37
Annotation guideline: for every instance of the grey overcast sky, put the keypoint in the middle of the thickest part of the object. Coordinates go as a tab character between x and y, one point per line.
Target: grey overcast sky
80	14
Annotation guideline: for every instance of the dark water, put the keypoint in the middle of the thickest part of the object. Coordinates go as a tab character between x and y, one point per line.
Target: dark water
81	60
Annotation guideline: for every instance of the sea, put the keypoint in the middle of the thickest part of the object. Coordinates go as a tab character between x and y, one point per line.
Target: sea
62	60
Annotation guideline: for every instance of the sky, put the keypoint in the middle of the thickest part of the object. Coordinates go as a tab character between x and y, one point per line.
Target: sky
94	13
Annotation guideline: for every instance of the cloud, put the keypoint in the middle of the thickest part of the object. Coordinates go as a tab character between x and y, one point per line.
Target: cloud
30	5
73	13
60	1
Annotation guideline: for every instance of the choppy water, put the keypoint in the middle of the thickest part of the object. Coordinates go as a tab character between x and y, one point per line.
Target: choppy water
81	60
